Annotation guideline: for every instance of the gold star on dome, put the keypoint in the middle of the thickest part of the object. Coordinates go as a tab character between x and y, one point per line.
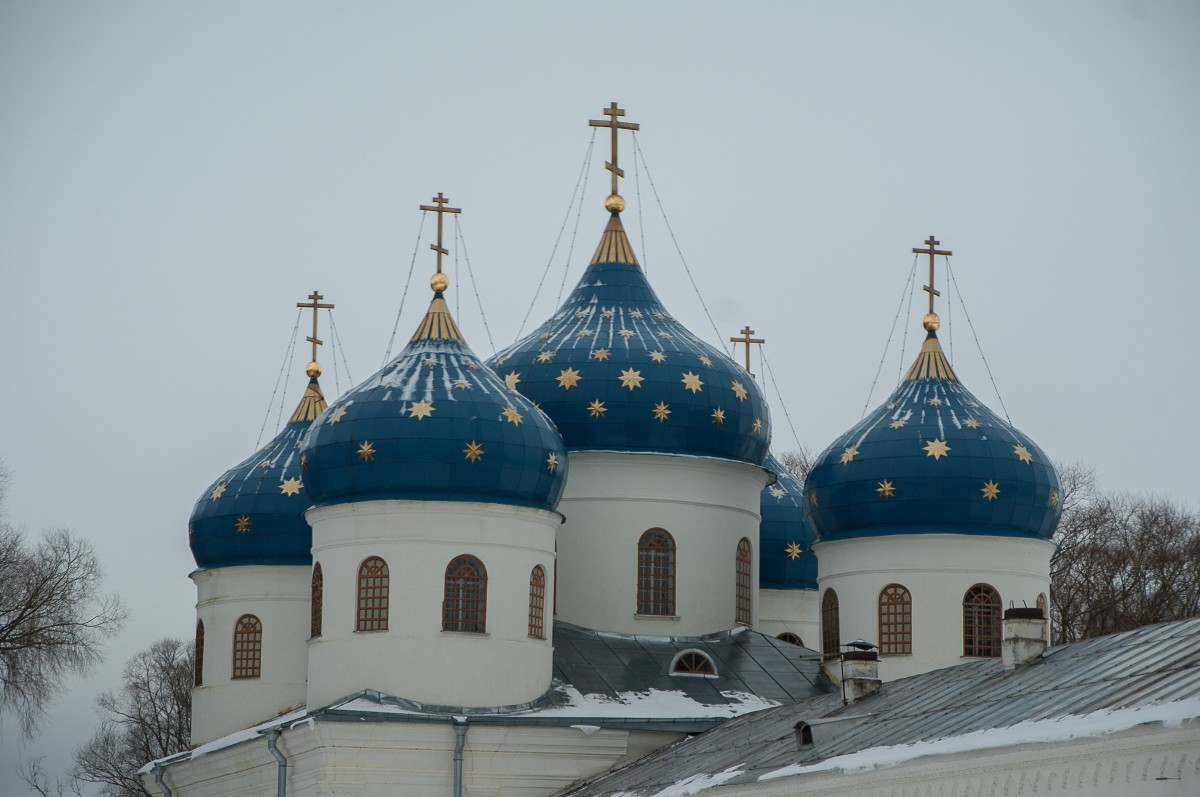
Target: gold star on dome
582	314
430	361
660	316
691	382
1023	454
1054	499
568	378
718	416
607	314
812	498
849	454
898	423
366	451
936	448
934	402
290	487
885	489
583	333
635	314
627	333
461	384
793	550
600	354
666	336
778	491
552	462
990	490
971	423
512	379
219	491
631	378
596	408
420	409
739	390
265	464
471	364
544	356
658	356
661	411
757	425
545	336
501	360
705	361
511	415
242	525
474	451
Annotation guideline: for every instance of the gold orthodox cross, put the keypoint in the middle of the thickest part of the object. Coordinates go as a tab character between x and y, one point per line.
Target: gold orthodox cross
932	250
747	340
315	305
439	207
612	112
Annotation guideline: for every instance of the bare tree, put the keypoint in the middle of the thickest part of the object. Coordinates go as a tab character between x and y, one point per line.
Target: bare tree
798	462
52	618
149	718
1123	561
33	772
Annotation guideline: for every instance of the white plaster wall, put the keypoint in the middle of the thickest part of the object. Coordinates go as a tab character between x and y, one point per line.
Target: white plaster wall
410	759
937	569
707	505
414	658
793	610
279	597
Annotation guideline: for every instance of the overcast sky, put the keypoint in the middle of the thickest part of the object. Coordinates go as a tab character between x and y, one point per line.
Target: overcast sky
174	178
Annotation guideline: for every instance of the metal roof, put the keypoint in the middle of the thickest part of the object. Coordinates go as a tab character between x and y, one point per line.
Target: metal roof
1152	665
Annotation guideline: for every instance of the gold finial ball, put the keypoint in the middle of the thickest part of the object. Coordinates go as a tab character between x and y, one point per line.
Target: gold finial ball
931	322
313	369
615	203
439	282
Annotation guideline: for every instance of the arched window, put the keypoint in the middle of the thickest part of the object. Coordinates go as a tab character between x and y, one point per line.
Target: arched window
693	662
895	620
198	675
1042	604
981	621
372	595
789	637
464	607
656	573
247	647
744	567
831	632
318	600
804	735
537	602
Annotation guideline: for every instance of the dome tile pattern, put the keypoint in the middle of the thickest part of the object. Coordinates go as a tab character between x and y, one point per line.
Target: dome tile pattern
785	536
933	459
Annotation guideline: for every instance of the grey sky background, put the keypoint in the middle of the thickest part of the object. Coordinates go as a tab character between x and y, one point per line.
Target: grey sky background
174	178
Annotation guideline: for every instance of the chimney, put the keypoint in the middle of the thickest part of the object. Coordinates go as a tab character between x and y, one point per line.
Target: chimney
1024	636
860	675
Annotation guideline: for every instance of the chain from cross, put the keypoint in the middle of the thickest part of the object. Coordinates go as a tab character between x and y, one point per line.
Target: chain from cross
931	250
612	112
747	340
314	304
439	207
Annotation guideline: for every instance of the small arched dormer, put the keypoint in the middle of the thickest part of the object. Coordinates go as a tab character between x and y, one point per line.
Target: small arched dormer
694	663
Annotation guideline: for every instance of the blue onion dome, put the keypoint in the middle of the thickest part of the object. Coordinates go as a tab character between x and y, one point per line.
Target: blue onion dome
933	459
616	372
434	424
785	537
254	513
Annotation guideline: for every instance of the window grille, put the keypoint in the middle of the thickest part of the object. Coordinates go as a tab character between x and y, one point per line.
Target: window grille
656	574
373	588
318	599
247	647
198	675
693	662
981	621
895	620
537	603
744	568
831	633
464	607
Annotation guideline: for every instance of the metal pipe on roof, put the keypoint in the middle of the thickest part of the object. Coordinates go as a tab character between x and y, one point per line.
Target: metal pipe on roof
281	772
460	741
162	784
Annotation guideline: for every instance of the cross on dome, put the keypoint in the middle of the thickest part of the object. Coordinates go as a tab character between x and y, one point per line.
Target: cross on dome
439	281
614	203
314	303
931	320
747	340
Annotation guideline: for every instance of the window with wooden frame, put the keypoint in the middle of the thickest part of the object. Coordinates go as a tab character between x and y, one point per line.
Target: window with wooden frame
464	607
981	621
537	602
247	647
1042	604
895	620
693	662
318	600
831	632
790	638
373	585
198	675
656	574
744	568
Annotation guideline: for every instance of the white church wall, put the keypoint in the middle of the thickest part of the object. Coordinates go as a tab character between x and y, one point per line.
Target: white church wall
279	597
793	611
611	499
937	569
414	658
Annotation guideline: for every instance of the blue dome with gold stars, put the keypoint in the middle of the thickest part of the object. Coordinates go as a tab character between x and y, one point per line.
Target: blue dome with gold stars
933	459
616	372
254	513
785	537
434	424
